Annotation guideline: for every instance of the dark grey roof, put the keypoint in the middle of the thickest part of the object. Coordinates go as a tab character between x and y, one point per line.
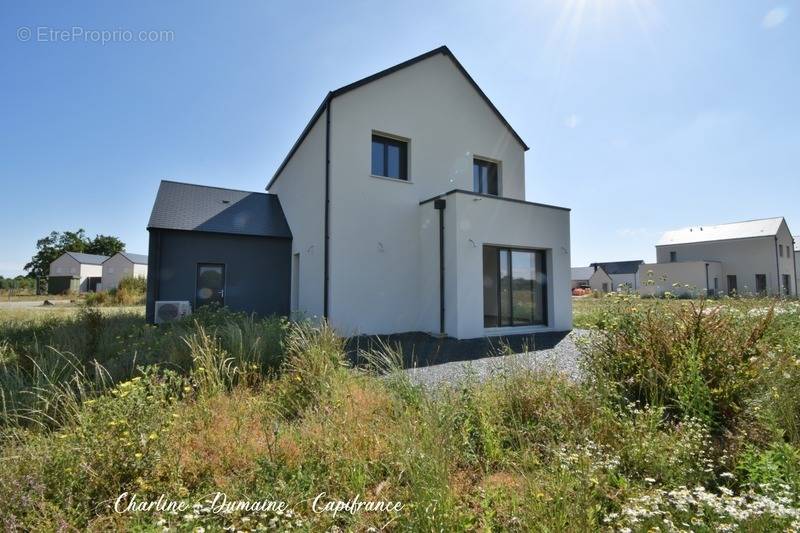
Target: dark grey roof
139	259
356	84
185	206
581	273
87	259
620	267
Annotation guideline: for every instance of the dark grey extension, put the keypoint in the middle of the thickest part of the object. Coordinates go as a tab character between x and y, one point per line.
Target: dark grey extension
223	246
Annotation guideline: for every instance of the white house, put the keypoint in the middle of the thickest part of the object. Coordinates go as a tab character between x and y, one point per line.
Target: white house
123	265
405	195
623	274
593	277
76	272
746	258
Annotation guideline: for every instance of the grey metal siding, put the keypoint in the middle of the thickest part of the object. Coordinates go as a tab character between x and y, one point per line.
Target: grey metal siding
257	269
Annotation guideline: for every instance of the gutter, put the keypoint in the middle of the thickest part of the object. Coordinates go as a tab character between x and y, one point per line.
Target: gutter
794	261
440	205
326	281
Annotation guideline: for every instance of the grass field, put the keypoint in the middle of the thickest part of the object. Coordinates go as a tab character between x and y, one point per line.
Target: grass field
689	419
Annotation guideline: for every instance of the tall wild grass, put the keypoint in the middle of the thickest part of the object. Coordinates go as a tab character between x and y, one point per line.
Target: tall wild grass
687	419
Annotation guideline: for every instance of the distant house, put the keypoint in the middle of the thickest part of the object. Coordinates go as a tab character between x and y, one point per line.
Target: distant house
75	272
623	274
747	258
591	277
796	258
123	265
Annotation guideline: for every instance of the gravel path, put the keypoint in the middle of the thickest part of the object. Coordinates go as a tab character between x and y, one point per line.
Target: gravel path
563	358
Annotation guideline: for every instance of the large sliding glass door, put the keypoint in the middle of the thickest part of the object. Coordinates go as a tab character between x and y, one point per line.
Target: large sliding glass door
514	287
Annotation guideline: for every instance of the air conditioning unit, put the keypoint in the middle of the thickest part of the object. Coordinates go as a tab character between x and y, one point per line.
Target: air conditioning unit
171	311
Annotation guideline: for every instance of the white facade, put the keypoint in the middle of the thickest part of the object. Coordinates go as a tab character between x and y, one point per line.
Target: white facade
629	280
66	265
692	278
120	266
601	281
764	249
383	242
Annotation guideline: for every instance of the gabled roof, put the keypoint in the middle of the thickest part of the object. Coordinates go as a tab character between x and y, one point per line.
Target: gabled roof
383	73
620	267
137	259
581	273
764	227
87	259
190	207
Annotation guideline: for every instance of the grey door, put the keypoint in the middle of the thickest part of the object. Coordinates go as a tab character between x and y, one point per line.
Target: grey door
761	284
732	289
210	284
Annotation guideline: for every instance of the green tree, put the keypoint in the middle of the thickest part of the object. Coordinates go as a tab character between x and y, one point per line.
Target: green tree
49	248
105	245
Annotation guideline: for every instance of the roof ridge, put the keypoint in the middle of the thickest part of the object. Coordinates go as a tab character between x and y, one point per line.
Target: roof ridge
726	223
216	187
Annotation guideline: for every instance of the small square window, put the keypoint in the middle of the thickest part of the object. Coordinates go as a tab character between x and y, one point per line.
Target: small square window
389	157
484	177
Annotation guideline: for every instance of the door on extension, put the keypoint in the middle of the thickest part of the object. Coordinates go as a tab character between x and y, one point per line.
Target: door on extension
210	284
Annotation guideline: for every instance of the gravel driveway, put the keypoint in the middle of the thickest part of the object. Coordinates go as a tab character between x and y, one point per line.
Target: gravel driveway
563	357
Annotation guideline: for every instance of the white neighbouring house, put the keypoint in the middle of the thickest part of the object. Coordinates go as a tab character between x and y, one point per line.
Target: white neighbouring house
796	258
75	272
123	265
624	275
753	257
592	277
405	195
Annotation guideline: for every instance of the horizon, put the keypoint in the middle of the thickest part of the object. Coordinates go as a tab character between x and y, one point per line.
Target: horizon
642	117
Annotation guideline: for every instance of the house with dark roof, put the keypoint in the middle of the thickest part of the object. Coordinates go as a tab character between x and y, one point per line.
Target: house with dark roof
405	210
75	272
122	265
592	277
753	257
214	245
623	274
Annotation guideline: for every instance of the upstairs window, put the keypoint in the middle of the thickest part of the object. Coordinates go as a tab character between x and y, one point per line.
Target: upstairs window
389	157
484	177
780	249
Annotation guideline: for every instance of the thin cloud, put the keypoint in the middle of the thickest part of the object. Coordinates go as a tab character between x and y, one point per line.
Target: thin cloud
774	17
572	121
635	232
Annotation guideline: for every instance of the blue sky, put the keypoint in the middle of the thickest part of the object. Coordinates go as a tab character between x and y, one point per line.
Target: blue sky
641	115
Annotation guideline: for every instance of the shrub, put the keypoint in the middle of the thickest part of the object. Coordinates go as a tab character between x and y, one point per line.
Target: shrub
133	284
693	359
93	299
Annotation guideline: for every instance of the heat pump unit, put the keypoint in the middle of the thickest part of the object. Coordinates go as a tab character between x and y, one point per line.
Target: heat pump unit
171	311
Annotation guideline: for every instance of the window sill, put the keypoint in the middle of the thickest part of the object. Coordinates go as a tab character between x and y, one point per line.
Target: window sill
396	180
516	330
